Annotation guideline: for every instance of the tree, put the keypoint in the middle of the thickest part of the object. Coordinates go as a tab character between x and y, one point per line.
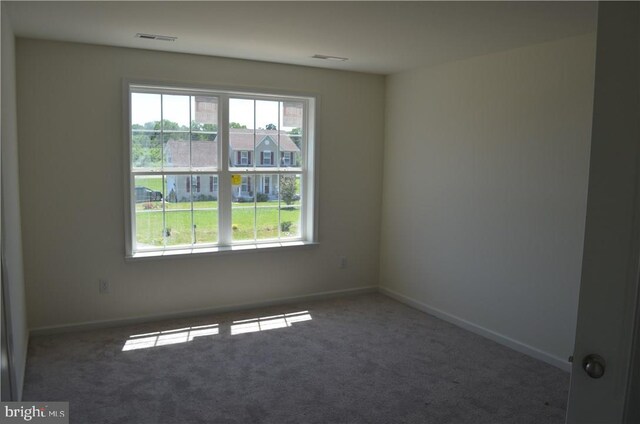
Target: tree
237	125
296	136
288	189
168	126
200	127
271	127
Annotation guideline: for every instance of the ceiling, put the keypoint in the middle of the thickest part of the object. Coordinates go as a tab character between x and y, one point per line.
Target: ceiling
377	37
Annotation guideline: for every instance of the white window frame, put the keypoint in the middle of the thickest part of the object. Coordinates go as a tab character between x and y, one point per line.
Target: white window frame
266	153
307	170
215	185
245	186
286	159
244	158
266	184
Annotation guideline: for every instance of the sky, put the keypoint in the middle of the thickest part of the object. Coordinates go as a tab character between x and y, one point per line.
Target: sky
146	108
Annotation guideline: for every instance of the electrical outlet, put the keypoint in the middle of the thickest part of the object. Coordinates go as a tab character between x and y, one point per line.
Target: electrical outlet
103	286
343	262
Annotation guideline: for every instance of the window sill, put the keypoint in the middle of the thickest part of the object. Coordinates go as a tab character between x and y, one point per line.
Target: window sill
218	250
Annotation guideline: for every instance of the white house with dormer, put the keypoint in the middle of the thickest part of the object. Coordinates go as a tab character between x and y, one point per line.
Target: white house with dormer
249	149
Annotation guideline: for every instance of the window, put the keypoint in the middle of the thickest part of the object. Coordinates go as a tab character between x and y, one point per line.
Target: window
176	139
267	158
244	158
245	186
267	185
286	159
213	184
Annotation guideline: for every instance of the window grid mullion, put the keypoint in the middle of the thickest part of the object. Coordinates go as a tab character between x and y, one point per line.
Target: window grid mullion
278	166
193	224
224	182
164	209
255	179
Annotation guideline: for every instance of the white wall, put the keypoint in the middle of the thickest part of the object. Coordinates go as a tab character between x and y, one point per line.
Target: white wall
485	187
71	168
13	276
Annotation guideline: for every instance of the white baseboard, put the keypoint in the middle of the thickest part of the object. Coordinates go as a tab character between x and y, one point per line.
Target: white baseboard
89	325
484	332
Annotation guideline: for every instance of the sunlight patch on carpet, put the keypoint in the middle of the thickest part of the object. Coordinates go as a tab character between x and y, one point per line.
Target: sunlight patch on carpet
169	337
272	322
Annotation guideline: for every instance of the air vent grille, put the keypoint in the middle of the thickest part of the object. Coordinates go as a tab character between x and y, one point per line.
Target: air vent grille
156	37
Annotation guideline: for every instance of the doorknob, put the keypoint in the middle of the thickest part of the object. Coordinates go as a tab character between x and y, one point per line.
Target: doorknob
594	365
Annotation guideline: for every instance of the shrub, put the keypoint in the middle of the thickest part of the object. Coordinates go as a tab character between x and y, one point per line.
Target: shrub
288	189
262	197
285	226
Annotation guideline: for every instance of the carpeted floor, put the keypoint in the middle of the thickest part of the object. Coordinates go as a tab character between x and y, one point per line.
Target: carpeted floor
357	359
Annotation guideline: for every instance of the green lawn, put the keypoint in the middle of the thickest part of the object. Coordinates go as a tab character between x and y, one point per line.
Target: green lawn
150	228
153	183
149	223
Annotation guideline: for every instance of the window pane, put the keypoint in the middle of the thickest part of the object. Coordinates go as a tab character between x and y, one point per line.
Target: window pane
289	206
177	152
145	111
243	212
178	209
146	150
146	147
266	137
204	127
292	118
148	197
204	112
175	113
205	210
267	213
241	133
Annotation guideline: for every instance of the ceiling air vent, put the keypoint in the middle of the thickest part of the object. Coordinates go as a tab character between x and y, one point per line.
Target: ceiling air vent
332	58
156	37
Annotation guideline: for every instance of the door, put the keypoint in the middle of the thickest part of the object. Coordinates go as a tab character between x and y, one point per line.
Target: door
609	287
5	374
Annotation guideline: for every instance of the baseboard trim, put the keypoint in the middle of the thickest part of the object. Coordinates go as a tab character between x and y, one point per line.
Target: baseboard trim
91	325
477	329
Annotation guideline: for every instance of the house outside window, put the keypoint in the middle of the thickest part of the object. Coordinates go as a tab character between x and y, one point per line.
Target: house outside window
176	137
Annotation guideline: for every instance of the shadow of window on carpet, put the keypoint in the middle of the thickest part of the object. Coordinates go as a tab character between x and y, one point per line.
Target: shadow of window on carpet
268	323
169	337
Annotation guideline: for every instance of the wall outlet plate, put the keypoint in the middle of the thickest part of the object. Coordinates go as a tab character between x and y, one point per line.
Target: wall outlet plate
103	286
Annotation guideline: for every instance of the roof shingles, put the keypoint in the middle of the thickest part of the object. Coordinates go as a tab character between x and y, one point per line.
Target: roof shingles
205	153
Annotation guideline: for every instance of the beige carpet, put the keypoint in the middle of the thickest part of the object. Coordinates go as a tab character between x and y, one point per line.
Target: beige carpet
358	359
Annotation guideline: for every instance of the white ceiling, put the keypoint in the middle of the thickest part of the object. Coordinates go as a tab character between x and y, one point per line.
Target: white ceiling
377	37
